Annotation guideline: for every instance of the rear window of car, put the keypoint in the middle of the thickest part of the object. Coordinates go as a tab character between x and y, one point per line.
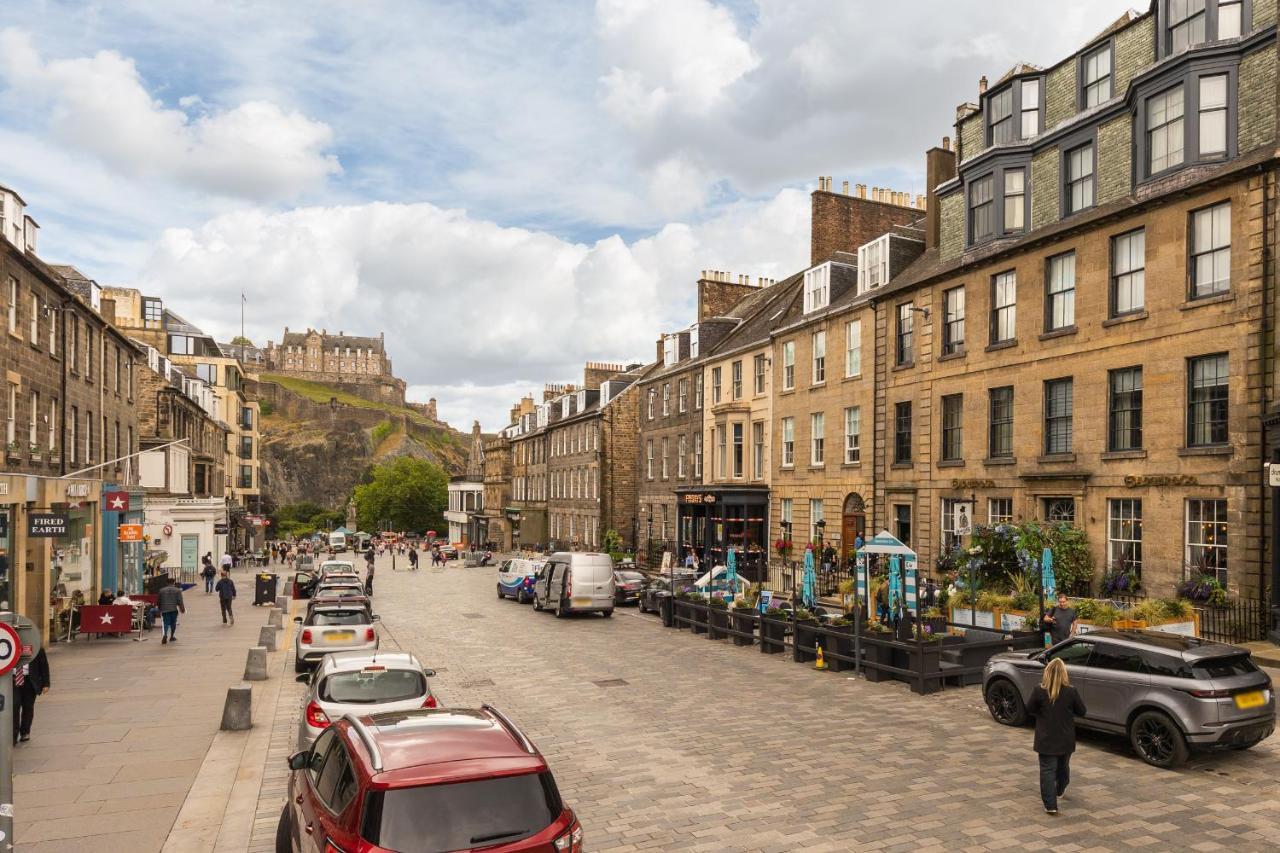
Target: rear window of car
631	576
339	617
1224	667
461	815
369	686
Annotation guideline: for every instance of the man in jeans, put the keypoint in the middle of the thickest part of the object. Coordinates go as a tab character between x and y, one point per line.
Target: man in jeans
169	602
226	594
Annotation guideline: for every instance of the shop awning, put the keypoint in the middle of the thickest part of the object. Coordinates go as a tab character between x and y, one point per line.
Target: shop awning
885	542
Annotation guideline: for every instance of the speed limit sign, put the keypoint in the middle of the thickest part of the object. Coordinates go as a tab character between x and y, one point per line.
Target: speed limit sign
10	648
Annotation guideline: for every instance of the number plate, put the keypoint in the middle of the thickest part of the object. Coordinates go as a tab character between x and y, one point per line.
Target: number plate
340	636
1251	700
582	602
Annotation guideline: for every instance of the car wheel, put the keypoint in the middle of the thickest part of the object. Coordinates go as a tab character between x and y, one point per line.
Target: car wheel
608	613
640	606
299	665
1157	740
500	595
560	611
284	833
537	603
1005	703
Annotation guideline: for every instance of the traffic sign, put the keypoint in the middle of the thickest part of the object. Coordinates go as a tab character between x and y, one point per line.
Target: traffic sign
10	648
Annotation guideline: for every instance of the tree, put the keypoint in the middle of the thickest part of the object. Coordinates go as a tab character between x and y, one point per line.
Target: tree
409	493
241	341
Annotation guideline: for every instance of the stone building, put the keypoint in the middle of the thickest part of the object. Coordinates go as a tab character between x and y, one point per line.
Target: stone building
497	492
1087	335
357	362
466	510
527	514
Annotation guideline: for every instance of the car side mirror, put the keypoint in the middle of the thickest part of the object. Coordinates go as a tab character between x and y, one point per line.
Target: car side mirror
304	678
377	618
297	619
429	673
298	761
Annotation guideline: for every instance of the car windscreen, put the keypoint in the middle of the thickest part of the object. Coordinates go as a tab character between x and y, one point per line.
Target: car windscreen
368	686
438	818
630	577
1223	667
339	617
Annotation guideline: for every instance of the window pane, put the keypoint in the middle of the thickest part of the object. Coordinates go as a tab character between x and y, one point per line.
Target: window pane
1229	20
1128	276
1207	400
1211	250
1058	416
1213	114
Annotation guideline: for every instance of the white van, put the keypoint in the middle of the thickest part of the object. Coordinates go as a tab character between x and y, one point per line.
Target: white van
338	542
516	578
575	582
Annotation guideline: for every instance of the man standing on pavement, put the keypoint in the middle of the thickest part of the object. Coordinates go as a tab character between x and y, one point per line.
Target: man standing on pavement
1060	621
207	571
226	562
169	600
29	681
226	594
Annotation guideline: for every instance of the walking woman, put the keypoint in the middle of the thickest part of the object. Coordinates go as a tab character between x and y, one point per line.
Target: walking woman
1055	704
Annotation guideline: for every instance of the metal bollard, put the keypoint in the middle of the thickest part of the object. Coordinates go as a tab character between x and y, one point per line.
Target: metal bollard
267	638
255	665
275	620
237	713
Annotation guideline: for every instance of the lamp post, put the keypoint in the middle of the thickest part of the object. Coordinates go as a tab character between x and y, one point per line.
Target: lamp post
786	538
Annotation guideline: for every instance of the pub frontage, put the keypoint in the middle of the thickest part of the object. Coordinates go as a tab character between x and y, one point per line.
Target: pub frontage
711	519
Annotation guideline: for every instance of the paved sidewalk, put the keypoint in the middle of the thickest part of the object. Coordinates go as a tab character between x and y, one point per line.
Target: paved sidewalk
120	739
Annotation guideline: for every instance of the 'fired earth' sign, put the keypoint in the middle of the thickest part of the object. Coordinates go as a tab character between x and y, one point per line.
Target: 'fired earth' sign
46	525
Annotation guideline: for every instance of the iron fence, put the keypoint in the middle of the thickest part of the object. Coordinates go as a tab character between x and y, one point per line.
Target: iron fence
1238	621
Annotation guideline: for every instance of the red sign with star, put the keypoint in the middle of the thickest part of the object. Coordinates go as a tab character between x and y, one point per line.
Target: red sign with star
116	502
106	619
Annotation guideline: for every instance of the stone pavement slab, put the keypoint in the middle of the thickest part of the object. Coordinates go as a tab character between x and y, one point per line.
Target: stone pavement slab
120	738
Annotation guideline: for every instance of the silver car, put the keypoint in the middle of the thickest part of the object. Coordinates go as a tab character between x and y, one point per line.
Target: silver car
332	628
361	683
1167	693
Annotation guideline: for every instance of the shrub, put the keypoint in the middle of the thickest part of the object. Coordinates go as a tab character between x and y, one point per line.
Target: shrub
265	408
611	542
717	602
381	431
804	615
1204	589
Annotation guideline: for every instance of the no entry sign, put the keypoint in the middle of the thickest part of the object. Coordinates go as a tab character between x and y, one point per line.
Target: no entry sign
10	648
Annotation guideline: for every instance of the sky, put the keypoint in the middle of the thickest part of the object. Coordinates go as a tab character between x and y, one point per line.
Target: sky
506	189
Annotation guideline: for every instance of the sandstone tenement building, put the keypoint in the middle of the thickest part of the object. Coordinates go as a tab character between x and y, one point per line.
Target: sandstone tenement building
357	362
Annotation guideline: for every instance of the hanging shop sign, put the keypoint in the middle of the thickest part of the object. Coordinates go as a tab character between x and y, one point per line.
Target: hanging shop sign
131	533
117	501
46	525
77	490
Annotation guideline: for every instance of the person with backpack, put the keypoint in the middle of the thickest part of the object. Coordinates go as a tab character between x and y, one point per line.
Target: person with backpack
413	559
208	573
226	595
169	601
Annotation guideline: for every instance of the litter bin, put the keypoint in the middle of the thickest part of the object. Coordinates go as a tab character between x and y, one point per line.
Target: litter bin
264	588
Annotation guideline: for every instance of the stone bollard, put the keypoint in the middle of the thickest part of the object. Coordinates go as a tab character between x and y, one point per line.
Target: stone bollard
255	666
267	638
282	601
237	713
275	620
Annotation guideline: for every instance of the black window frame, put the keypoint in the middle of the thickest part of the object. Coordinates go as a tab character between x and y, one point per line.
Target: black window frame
1090	141
1164	41
1049	295
994	328
1059	426
1223	402
1014	162
1082	83
1124	409
904	347
989	203
1013	118
952	449
1013	88
953	327
902	419
1113	287
1193	255
1187	75
902	527
1000	423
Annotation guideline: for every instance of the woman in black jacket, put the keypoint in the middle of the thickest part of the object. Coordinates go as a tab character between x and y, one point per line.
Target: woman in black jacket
1055	704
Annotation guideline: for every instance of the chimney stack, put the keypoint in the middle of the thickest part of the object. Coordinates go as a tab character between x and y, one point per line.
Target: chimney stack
982	85
946	143
844	187
940	167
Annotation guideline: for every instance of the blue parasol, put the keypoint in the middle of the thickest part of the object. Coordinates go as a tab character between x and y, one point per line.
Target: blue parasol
1046	574
810	582
895	583
731	572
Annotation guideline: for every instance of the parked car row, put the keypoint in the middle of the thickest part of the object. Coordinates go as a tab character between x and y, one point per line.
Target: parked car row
565	582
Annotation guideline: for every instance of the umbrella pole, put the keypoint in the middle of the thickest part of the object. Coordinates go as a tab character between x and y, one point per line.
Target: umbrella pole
1040	624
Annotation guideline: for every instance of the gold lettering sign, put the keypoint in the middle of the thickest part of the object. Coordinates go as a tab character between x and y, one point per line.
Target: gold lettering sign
1135	482
973	484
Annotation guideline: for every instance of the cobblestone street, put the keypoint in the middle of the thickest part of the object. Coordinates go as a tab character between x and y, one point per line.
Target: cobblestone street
666	741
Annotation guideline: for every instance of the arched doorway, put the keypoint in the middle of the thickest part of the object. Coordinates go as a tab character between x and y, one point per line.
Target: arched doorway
853	522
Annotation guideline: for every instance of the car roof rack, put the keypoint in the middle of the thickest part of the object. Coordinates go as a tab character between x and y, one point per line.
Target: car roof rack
511	727
375	754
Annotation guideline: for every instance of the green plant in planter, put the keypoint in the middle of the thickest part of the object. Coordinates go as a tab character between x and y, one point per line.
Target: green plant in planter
944	600
926	635
776	613
803	615
840	622
960	600
696	598
1177	608
875	626
744	604
718	603
994	601
932	613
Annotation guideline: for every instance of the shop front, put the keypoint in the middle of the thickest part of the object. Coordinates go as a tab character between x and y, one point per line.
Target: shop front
123	545
528	526
712	519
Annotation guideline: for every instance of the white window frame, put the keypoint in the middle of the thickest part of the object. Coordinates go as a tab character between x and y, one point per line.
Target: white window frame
853	348
819	368
648	450
681	449
788	365
788	442
757	450
817	287
852	435
873	264
817	513
817	439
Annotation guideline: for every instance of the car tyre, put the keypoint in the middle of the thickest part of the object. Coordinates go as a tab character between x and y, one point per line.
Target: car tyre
608	613
537	602
1005	703
500	595
1158	740
299	665
284	833
560	611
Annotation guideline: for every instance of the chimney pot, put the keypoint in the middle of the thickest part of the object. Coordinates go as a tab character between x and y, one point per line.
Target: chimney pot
982	85
844	187
946	143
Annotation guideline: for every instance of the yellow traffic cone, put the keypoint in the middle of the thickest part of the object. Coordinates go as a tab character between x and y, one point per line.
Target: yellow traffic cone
821	664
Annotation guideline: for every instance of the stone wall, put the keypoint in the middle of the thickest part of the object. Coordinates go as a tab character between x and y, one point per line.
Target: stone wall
1115	159
1135	51
1045	192
951	239
842	223
972	137
1257	99
1060	95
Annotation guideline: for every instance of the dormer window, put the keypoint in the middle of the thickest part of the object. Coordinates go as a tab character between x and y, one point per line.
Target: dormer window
670	350
1095	77
1188	21
873	264
817	288
1029	109
1000	116
981	207
1014	112
693	342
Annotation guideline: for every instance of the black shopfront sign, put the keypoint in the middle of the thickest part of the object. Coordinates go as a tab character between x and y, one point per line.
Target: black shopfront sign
46	525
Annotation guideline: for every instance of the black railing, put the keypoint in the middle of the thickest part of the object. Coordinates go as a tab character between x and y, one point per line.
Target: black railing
1240	621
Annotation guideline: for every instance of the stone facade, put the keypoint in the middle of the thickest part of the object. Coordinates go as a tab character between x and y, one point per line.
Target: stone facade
1045	194
1257	122
1059	94
497	490
971	136
359	362
841	223
952	226
1115	160
1134	51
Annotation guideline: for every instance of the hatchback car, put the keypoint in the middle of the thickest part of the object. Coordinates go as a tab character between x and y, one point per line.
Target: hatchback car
349	599
337	567
337	586
332	628
424	780
1167	693
627	586
361	683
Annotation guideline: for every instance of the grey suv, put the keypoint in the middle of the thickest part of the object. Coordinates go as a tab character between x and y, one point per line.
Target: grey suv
1166	692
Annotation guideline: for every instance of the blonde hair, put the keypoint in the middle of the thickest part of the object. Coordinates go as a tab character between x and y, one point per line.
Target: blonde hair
1055	678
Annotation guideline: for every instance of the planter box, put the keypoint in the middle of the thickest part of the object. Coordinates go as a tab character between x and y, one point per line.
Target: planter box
682	610
35	457
55	458
936	624
718	622
842	644
699	614
744	621
805	636
773	633
913	656
13	456
875	654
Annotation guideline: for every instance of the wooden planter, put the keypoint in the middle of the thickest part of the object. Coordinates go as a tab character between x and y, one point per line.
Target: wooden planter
683	610
805	636
842	644
773	634
699	614
718	622
745	622
876	654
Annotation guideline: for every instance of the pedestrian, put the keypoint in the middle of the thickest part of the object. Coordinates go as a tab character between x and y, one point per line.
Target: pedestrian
1055	704
227	561
30	680
208	572
1060	621
169	600
226	595
413	559
368	579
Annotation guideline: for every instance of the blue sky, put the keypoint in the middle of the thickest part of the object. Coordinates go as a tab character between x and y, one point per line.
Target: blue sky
506	189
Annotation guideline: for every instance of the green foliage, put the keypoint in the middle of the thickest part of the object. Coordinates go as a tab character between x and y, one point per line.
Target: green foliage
381	431
265	408
241	341
612	542
744	603
1007	556
304	519
804	615
409	493
717	602
839	622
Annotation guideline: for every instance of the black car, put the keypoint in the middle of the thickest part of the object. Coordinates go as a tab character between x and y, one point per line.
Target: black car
660	586
627	586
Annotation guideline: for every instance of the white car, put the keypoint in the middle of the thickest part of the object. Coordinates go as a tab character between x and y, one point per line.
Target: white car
329	567
361	683
332	628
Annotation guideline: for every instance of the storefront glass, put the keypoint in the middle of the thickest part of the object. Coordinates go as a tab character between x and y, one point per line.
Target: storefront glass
6	558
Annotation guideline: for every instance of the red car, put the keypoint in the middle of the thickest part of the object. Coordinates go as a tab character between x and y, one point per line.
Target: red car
436	780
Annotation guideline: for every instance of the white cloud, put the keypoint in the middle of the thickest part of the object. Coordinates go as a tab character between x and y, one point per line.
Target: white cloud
99	105
470	309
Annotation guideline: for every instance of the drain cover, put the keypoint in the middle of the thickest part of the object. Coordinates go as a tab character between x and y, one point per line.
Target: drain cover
472	615
612	682
484	682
